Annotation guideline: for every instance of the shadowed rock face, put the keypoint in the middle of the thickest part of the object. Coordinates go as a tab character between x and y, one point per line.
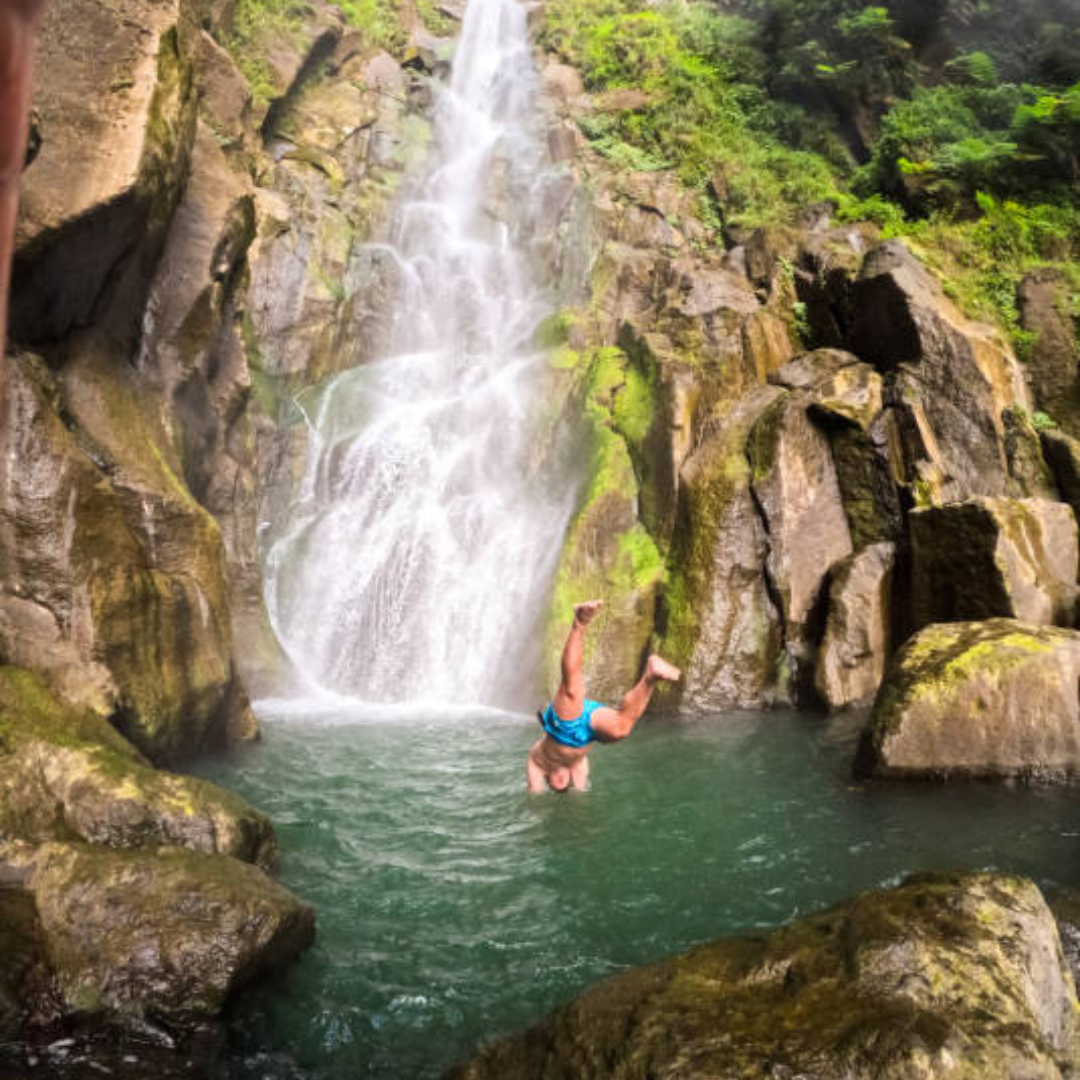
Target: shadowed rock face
979	699
960	977
1010	557
92	223
954	374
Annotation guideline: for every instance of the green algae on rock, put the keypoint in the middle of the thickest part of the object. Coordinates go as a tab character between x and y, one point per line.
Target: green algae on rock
67	774
994	699
718	621
154	937
942	977
608	552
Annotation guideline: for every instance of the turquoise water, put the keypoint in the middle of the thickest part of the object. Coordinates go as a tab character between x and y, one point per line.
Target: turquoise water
453	907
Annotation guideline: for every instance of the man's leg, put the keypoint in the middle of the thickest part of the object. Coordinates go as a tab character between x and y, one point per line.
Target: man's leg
579	774
569	699
614	724
534	775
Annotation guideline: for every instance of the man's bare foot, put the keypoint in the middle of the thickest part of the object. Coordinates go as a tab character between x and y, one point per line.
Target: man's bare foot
658	668
584	612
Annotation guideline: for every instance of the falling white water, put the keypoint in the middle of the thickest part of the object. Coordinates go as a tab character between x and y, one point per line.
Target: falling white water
418	558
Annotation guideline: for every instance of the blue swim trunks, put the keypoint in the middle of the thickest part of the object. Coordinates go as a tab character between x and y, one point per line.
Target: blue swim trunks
576	733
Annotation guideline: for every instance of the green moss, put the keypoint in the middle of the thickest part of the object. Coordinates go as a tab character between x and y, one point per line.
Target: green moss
30	709
943	658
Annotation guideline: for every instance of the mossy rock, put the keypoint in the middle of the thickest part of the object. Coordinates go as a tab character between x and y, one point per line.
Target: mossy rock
608	553
995	700
67	774
942	977
717	620
167	936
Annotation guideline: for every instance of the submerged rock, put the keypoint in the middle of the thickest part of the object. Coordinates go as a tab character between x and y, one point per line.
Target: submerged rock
943	977
67	774
158	939
852	657
987	699
984	557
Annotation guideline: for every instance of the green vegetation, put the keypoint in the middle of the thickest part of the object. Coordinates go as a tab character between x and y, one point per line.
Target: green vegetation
954	126
257	24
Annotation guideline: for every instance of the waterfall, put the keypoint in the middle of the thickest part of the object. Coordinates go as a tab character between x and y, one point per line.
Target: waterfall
417	559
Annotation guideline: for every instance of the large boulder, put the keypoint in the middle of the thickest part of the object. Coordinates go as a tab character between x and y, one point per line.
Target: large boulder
957	373
856	646
797	492
718	621
67	774
984	557
847	399
154	939
942	977
978	699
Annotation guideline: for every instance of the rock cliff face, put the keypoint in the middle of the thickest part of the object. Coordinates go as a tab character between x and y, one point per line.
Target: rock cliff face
939	977
785	432
186	262
791	431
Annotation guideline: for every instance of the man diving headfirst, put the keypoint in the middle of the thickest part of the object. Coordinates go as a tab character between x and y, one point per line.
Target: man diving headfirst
572	723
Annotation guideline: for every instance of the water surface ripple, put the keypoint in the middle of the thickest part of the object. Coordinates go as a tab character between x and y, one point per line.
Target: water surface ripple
453	907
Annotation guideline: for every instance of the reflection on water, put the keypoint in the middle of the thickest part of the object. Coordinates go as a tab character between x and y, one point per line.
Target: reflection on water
453	907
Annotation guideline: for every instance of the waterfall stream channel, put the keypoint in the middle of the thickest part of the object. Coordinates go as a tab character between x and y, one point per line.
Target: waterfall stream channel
410	586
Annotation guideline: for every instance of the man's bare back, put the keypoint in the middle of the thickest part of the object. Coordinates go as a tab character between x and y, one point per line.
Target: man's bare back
572	723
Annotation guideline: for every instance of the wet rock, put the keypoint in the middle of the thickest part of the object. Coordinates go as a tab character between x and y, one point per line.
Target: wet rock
26	996
718	621
984	557
796	489
118	560
1062	454
938	978
607	551
827	266
843	388
91	224
766	343
991	699
1053	366
857	642
1029	474
956	374
67	774
223	94
156	940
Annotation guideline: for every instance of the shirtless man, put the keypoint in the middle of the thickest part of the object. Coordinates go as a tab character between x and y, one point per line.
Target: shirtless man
572	723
